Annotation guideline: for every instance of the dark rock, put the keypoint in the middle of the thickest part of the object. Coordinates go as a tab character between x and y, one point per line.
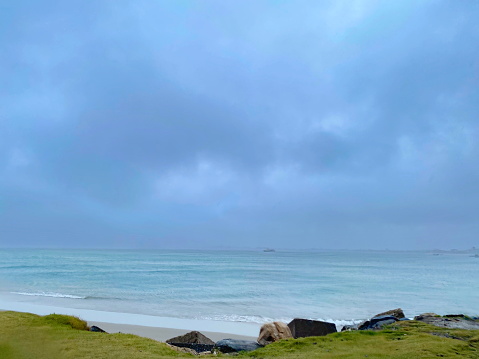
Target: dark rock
236	345
191	337
377	322
193	340
272	332
301	328
349	328
96	329
397	313
425	315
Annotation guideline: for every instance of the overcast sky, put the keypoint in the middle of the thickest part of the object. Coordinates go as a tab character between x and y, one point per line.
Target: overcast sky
248	123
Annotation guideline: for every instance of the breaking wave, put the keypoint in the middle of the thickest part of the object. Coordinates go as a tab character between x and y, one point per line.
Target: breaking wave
49	294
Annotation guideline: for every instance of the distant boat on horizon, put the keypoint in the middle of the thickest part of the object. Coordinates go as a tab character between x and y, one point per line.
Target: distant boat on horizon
269	250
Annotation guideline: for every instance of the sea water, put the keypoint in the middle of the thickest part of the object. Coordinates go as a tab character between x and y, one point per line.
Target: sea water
240	286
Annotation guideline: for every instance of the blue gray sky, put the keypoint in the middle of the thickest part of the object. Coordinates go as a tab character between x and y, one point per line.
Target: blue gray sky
217	124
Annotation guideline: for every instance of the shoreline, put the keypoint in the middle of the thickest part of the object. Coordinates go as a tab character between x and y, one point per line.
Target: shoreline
157	328
163	334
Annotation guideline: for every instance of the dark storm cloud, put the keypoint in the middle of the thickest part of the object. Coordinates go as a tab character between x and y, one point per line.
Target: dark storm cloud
329	124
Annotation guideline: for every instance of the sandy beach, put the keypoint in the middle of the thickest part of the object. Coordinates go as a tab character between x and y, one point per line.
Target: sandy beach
157	328
161	334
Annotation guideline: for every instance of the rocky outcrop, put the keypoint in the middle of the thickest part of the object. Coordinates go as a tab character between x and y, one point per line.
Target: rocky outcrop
452	321
272	332
193	340
96	329
397	313
235	345
301	328
379	320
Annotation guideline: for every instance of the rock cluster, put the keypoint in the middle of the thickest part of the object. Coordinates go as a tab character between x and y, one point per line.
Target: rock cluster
197	343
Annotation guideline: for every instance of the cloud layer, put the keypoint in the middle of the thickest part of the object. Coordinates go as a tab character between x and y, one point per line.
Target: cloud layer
344	124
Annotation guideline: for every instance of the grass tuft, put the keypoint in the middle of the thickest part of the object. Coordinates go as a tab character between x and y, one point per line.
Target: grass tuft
68	320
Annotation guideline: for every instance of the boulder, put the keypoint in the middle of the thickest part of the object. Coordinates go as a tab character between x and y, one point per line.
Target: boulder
397	313
301	328
272	332
96	329
236	345
193	340
377	322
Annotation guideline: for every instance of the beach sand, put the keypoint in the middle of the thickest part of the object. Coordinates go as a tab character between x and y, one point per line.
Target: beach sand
161	334
157	328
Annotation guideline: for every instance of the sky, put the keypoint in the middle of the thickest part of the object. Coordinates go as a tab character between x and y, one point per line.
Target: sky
212	124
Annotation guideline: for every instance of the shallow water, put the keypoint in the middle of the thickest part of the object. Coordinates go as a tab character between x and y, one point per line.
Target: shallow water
244	286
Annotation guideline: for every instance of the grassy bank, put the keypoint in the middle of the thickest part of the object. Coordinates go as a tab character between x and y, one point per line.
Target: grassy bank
24	335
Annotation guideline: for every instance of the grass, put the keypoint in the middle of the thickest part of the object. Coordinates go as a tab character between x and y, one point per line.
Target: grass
24	335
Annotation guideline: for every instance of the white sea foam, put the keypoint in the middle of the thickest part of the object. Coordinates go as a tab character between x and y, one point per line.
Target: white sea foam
48	294
262	320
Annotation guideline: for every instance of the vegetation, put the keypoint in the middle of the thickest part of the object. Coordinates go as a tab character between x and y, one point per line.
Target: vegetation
24	335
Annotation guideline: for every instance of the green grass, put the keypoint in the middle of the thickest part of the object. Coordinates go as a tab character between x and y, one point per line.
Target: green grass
24	335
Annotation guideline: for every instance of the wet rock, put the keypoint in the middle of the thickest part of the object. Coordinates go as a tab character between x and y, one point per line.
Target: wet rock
301	328
236	345
272	332
96	329
377	322
193	340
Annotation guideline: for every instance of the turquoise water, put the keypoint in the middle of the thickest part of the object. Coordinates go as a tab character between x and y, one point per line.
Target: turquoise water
245	286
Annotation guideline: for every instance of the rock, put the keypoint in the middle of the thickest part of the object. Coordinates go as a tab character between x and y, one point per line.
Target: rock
193	340
272	332
96	329
377	322
301	328
451	321
425	315
349	327
397	313
236	345
182	350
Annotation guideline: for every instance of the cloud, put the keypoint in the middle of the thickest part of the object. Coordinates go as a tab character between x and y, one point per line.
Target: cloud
345	124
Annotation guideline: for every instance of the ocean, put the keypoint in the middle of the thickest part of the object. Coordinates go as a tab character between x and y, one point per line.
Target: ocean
251	287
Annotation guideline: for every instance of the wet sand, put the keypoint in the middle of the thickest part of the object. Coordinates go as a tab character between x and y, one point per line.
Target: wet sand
161	334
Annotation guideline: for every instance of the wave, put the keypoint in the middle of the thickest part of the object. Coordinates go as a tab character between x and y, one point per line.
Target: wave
49	294
262	320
